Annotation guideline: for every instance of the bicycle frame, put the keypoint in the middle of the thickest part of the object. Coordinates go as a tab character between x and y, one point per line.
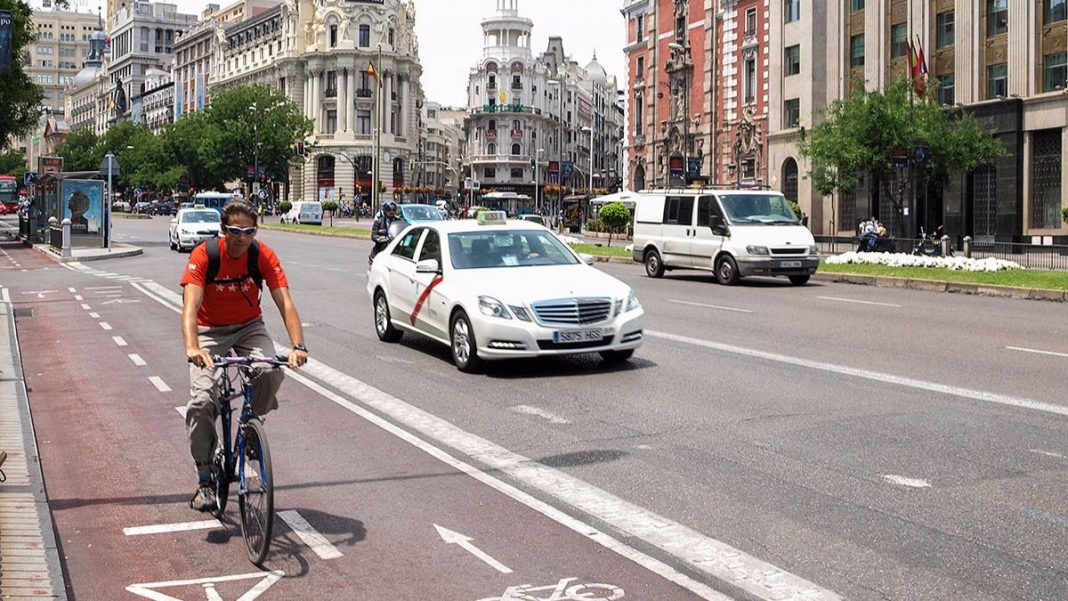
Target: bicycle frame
235	466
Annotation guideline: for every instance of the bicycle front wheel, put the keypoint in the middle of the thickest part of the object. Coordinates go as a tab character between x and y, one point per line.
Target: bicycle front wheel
256	498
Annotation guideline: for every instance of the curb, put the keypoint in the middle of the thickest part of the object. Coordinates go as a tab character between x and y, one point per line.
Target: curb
272	228
1059	296
96	254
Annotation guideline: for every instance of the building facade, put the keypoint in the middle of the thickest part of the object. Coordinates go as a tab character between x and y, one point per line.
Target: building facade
318	54
1002	60
438	166
87	96
155	107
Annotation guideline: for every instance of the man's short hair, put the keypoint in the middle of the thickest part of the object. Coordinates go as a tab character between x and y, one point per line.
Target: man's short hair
238	207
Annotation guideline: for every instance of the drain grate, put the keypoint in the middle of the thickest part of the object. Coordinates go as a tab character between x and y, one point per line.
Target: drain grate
23	313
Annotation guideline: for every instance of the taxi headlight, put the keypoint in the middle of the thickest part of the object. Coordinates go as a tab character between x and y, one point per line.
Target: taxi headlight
632	302
757	250
492	307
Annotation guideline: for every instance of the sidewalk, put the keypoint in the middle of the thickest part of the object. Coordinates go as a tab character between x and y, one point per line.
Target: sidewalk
29	558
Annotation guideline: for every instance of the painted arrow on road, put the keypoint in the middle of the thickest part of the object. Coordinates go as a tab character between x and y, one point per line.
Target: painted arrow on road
455	538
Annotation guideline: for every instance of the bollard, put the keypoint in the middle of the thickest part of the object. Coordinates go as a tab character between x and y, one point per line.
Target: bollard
968	246
945	246
66	238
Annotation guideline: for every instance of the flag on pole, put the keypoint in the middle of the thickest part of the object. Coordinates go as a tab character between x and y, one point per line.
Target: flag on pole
911	73
920	74
371	70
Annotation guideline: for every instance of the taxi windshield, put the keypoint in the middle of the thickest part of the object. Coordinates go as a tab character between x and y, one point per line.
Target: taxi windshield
758	209
200	217
507	248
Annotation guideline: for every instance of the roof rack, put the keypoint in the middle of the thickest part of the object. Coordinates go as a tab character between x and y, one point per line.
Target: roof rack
717	186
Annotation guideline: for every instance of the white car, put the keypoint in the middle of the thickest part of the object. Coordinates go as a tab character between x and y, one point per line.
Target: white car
190	226
304	211
497	289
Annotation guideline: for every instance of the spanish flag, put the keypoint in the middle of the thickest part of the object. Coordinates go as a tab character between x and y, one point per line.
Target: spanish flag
371	70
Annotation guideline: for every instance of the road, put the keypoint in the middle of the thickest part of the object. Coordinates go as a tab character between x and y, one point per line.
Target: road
768	441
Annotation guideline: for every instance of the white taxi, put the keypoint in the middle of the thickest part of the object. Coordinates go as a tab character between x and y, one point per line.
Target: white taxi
498	289
190	226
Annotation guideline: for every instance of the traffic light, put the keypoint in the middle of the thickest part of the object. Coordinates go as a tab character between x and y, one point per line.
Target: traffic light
300	148
533	164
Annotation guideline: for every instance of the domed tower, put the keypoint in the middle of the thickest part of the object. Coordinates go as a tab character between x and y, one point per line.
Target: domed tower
93	63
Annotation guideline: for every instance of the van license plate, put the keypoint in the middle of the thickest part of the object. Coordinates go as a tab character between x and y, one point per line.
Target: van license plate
789	263
578	335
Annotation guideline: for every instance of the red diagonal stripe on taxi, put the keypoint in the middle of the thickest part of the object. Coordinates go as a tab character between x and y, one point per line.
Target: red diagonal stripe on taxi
424	296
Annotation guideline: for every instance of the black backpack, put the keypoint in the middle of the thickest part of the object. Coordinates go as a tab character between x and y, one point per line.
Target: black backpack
253	264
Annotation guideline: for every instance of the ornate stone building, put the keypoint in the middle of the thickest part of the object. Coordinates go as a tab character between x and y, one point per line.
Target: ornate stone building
318	54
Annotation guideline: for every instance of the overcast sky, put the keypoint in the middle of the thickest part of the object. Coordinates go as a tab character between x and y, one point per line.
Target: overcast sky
450	35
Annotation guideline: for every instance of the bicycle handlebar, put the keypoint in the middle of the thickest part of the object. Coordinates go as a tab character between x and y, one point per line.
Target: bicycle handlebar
276	361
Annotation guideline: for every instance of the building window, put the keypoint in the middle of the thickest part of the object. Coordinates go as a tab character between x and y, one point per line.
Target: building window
363	122
1055	69
1046	178
856	51
1054	10
791	10
856	5
749	81
639	109
490	172
391	35
997	17
789	179
516	150
517	173
640	29
792	113
331	121
996	81
945	89
365	35
640	72
793	60
491	149
333	36
944	30
898	40
750	21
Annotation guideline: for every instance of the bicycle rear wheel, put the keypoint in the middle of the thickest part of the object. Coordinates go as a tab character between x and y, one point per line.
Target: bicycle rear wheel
256	496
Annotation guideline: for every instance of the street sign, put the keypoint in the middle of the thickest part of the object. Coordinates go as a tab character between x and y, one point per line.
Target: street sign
29	178
137	192
114	166
263	194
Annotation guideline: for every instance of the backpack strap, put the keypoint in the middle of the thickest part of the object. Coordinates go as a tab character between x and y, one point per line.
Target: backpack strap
254	264
212	246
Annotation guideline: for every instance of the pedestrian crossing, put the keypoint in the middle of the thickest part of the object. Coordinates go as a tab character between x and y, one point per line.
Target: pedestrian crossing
84	269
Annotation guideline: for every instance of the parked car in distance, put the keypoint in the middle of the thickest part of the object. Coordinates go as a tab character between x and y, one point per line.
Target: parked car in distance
530	218
499	289
121	206
191	226
304	211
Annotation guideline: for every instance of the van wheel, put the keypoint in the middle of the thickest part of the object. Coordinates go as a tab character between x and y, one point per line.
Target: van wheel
799	280
654	267
727	271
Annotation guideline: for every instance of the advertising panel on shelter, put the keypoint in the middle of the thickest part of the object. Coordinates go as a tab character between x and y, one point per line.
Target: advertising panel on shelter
83	204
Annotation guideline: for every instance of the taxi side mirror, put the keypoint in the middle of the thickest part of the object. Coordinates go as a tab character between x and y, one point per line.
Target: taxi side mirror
587	259
174	221
428	266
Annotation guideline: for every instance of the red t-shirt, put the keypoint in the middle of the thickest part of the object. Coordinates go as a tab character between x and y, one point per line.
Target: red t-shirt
234	303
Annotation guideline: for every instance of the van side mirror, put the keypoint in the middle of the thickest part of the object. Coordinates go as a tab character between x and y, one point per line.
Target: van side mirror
804	220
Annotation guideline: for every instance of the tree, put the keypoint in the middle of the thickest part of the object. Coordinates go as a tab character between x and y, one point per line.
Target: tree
11	163
331	206
20	97
81	151
615	218
192	147
860	134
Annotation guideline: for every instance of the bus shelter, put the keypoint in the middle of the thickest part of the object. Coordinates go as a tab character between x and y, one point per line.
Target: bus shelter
75	196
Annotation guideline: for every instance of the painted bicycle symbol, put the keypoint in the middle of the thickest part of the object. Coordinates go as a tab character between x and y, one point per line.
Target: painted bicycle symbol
561	591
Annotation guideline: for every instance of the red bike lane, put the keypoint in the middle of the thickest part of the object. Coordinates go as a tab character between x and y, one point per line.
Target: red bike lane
362	513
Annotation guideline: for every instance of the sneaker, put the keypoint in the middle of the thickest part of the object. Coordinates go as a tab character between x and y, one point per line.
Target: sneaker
204	499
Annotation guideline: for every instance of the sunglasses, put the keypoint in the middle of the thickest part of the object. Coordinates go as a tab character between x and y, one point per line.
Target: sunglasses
237	231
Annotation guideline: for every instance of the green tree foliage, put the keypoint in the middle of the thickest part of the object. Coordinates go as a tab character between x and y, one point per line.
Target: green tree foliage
615	218
81	151
859	134
191	144
11	163
331	207
20	97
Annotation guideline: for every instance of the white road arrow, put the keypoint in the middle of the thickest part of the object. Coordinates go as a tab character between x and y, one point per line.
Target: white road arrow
206	586
455	538
39	293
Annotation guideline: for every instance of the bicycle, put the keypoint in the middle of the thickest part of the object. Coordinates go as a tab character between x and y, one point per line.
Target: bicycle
246	457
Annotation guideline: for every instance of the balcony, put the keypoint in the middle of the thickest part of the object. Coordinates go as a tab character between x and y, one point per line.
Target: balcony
517	85
517	133
505	108
363	93
491	134
330	93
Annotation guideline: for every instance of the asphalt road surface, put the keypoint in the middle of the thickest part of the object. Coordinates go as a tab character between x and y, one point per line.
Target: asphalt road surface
767	442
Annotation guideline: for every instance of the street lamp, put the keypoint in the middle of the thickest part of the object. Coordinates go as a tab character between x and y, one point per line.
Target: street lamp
556	83
590	130
537	188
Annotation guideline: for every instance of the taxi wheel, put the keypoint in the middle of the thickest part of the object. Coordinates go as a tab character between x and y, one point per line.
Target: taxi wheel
727	271
654	267
383	326
464	347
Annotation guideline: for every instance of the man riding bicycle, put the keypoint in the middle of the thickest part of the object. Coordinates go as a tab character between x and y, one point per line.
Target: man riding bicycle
221	312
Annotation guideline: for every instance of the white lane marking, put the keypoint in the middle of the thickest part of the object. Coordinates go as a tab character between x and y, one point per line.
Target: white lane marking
105	325
1047	453
7	299
721	308
909	482
181	411
455	538
705	554
86	306
392	359
94	315
148	589
166	297
137	360
309	535
1031	350
536	411
72	290
927	387
119	340
159	383
103	287
165	528
860	302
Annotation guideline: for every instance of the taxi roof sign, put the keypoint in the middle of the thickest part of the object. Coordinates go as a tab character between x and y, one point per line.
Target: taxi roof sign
492	217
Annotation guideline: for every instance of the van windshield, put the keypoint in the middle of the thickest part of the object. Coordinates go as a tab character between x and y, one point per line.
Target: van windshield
758	209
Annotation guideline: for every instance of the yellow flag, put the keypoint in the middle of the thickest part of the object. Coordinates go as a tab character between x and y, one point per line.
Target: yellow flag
371	70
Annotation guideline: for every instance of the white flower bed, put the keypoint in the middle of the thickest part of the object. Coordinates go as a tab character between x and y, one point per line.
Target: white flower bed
904	260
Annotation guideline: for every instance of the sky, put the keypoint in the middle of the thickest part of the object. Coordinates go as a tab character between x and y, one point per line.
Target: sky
450	36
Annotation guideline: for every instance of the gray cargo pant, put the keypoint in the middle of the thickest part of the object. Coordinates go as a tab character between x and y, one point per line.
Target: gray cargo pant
247	339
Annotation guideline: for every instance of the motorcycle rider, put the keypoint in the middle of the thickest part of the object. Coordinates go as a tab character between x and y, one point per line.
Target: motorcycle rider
380	228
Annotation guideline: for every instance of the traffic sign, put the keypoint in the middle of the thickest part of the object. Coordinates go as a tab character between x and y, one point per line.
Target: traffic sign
29	178
109	158
137	192
263	194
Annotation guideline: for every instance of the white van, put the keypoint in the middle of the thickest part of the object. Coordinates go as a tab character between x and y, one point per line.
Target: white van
731	232
304	211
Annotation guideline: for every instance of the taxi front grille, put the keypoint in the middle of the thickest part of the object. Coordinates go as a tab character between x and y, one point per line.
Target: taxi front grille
573	311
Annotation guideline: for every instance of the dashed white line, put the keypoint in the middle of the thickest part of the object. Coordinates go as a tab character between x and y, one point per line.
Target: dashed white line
137	360
159	384
86	306
908	482
1036	351
719	307
72	290
309	535
105	325
119	340
7	299
860	302
94	315
1047	453
78	297
536	411
165	528
181	411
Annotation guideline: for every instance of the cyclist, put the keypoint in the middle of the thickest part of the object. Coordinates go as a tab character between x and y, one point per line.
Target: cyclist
220	312
380	228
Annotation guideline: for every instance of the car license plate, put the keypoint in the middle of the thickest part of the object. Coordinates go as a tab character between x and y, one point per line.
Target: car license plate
789	263
578	335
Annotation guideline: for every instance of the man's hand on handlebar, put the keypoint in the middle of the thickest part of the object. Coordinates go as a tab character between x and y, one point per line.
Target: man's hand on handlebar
297	358
199	357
